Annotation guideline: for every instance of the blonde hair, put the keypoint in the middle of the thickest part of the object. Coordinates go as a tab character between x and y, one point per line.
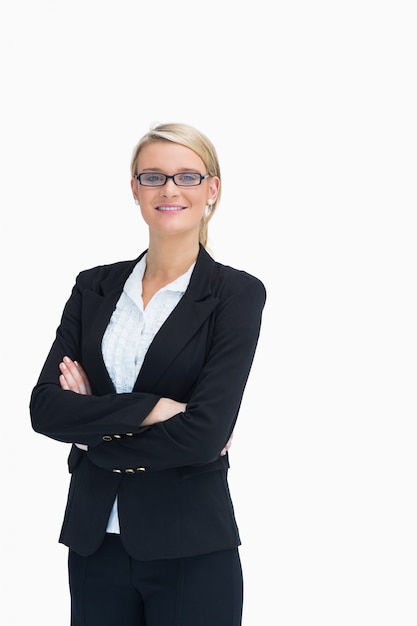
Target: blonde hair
192	138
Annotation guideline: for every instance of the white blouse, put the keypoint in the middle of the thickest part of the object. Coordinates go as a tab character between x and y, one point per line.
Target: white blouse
130	332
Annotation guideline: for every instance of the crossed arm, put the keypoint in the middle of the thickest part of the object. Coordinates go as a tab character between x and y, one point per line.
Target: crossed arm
74	378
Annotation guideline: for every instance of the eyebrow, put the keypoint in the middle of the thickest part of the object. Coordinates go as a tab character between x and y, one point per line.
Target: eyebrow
179	170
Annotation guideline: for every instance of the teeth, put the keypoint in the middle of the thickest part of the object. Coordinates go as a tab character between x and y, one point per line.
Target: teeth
169	208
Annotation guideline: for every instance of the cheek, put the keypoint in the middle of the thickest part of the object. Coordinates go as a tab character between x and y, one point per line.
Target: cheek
145	196
200	201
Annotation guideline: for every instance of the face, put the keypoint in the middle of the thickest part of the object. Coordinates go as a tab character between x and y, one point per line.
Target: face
170	209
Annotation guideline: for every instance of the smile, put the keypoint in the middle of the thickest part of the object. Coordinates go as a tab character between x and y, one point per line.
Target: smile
165	207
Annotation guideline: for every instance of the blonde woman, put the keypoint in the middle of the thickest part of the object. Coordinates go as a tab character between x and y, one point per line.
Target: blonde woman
145	378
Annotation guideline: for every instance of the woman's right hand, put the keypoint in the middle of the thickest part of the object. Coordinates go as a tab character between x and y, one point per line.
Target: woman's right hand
227	446
166	408
163	410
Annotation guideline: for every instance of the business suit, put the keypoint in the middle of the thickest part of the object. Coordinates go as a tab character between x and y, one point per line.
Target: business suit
171	483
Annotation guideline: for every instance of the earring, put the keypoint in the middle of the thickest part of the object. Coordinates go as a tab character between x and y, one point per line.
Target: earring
136	201
210	201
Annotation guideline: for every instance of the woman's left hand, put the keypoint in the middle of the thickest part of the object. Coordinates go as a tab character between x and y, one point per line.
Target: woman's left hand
73	378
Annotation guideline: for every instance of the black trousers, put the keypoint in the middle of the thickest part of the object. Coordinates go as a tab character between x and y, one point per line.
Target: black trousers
109	588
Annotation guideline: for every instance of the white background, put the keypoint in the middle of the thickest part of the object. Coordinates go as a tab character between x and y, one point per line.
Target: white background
318	100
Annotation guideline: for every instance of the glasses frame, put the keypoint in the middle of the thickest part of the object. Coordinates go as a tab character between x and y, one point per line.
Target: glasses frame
202	177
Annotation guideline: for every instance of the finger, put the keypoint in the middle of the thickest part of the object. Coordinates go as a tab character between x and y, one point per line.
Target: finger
63	383
229	443
84	377
72	377
78	376
66	375
81	378
227	446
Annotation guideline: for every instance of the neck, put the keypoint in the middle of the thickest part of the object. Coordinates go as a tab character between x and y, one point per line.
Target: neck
169	259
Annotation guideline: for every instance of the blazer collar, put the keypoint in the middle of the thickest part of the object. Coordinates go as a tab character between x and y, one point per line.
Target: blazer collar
199	286
184	321
200	283
182	324
117	278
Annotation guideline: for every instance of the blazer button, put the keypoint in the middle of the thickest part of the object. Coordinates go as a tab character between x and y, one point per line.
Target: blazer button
141	469
107	438
129	471
117	471
117	436
129	434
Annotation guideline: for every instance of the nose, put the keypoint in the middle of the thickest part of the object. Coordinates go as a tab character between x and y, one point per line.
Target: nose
170	188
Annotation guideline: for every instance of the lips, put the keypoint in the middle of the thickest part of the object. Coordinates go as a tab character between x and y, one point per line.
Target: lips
170	207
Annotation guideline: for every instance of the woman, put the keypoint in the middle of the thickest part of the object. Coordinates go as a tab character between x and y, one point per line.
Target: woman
145	377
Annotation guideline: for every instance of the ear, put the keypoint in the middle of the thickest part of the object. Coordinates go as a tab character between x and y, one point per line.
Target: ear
133	186
214	187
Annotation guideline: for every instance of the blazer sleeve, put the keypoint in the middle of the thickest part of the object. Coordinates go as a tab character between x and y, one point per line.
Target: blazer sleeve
70	417
197	436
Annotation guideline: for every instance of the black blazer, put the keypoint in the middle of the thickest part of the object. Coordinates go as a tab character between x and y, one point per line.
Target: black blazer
171	482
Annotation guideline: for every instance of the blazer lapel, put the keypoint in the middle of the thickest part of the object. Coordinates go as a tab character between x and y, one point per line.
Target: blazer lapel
98	307
184	321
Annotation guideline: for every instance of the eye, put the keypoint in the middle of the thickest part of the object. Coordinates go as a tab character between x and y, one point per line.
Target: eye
153	177
188	177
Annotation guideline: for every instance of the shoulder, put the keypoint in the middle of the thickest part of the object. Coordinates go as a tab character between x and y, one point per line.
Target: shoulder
110	274
239	284
228	280
238	277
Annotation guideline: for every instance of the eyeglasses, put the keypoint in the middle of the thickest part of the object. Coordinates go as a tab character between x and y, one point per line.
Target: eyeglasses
182	179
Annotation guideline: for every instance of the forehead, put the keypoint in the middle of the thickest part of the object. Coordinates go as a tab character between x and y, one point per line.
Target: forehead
168	156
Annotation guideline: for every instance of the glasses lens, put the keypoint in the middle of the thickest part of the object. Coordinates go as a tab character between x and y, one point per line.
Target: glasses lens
152	179
187	179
